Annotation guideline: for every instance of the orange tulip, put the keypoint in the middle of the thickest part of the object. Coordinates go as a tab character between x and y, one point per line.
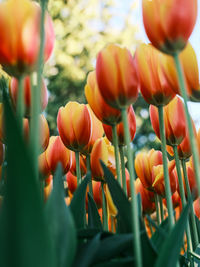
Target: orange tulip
97	193
20	36
74	125
48	180
189	64
13	90
158	178
144	163
44	168
57	153
82	164
103	111
169	23
116	76
71	182
198	140
47	190
99	152
154	86
174	120
147	205
120	128
196	205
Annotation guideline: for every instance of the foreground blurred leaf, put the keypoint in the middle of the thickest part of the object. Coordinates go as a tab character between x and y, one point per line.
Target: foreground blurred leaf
24	240
120	200
160	234
94	220
60	223
77	204
169	253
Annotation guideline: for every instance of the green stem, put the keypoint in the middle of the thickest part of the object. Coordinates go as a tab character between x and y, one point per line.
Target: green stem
121	151
104	209
151	228
161	208
188	118
165	167
157	208
88	170
192	216
116	148
78	170
182	194
20	103
134	204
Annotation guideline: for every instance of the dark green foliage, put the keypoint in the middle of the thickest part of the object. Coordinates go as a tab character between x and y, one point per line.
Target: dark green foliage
94	220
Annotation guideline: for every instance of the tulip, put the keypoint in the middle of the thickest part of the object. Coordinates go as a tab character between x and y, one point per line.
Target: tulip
169	24
48	180
82	164
13	90
97	193
47	190
99	152
20	36
116	76
158	178
112	210
147	205
44	168
196	205
103	111
153	84
144	163
57	153
174	121
120	128
192	181
74	125
71	182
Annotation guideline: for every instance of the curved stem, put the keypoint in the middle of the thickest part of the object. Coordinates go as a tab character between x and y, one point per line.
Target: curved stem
134	205
104	209
116	148
192	216
188	118
20	103
165	167
78	170
88	170
121	151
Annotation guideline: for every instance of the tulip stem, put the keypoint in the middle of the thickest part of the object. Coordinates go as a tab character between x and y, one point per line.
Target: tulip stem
104	209
157	209
182	194
189	122
88	170
20	103
78	170
165	167
161	208
116	148
134	204
121	151
192	216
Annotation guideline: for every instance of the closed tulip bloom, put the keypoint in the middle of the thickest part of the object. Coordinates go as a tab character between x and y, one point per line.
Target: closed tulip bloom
20	36
43	165
74	125
99	152
57	153
71	182
82	164
147	205
13	90
117	76
158	178
169	23
120	128
174	121
144	163
191	180
153	83
103	111
97	193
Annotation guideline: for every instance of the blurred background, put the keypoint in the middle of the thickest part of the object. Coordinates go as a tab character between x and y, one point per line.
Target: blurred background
83	28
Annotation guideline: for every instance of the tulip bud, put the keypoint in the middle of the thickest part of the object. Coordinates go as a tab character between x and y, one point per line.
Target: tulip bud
13	90
103	111
169	25
116	76
74	125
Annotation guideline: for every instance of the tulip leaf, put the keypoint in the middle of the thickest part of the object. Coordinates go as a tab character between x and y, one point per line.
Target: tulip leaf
170	250
120	262
77	204
120	200
24	237
90	233
160	234
60	223
94	220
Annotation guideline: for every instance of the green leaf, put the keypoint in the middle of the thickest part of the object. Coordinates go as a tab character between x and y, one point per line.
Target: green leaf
24	237
120	262
169	253
60	223
77	204
160	234
94	220
120	200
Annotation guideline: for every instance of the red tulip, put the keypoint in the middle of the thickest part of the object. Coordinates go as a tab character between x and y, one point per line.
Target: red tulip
116	76
169	23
